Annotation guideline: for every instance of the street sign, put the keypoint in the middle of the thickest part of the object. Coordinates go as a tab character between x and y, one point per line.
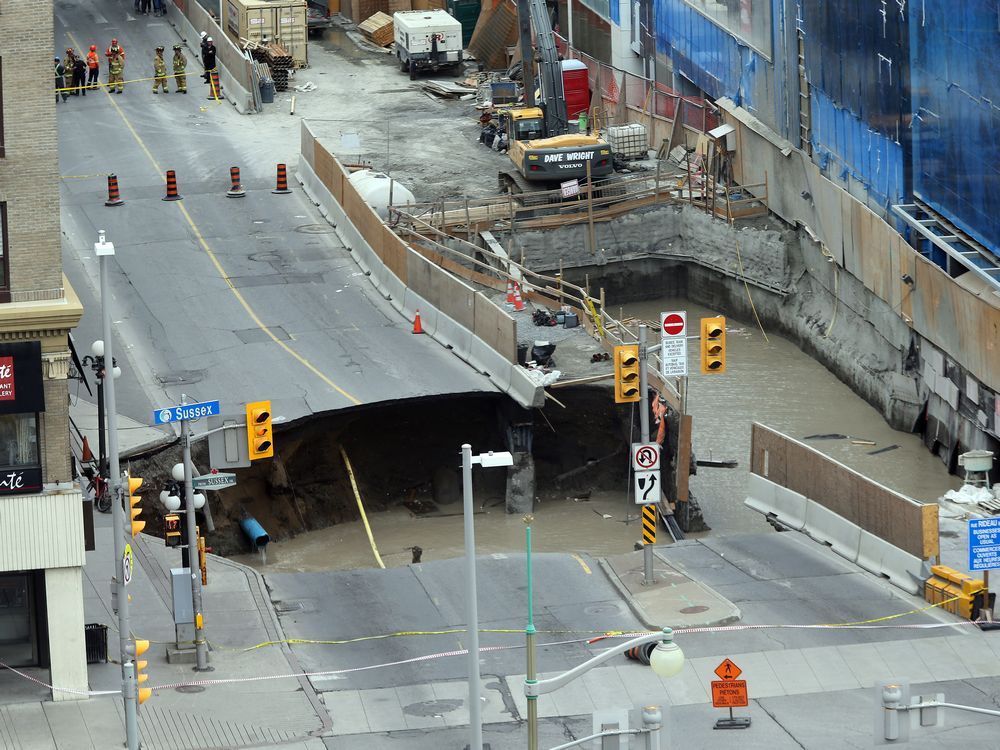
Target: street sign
645	456
673	334
218	481
728	670
673	324
647	487
984	543
186	411
127	564
729	693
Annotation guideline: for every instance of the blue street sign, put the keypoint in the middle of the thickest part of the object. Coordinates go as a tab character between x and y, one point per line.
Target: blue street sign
984	543
186	411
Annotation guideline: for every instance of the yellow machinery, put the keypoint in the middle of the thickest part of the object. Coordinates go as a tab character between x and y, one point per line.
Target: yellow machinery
556	158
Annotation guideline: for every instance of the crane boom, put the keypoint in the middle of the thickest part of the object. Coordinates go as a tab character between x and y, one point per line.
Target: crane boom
553	98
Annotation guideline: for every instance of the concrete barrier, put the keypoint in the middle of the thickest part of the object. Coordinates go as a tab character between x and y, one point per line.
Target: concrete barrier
827	527
786	507
447	304
903	570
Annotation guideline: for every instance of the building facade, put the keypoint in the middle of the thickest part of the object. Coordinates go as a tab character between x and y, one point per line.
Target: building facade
41	508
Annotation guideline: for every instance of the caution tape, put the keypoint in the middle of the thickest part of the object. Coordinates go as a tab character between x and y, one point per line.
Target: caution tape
105	84
84	177
892	617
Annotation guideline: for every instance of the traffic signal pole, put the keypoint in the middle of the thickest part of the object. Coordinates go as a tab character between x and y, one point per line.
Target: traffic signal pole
105	250
200	644
647	549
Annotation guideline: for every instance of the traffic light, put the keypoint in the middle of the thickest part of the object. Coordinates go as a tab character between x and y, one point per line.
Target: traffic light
260	440
172	529
134	483
627	374
139	647
713	345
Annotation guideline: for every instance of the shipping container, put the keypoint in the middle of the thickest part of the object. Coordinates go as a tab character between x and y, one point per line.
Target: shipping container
262	21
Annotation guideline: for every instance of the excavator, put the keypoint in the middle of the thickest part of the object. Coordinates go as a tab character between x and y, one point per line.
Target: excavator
539	142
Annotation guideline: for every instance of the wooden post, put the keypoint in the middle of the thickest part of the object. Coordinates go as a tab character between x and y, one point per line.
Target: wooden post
656	195
590	211
468	221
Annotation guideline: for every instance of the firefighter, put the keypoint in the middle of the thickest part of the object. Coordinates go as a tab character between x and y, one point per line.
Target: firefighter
116	67
180	69
159	72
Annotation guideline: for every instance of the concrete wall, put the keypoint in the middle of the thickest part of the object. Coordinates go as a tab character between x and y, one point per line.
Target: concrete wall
801	290
67	644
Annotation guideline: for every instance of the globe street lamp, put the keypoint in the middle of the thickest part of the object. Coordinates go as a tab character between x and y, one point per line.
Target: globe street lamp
666	659
95	361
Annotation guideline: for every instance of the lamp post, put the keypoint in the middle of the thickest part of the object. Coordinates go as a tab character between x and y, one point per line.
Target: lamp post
95	361
173	496
666	660
485	460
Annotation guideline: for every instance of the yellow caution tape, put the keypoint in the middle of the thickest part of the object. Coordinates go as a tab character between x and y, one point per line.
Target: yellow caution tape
105	84
889	617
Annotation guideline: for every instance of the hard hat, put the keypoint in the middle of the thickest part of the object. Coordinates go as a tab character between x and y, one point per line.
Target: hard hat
177	46
56	59
114	42
209	39
159	49
93	48
204	34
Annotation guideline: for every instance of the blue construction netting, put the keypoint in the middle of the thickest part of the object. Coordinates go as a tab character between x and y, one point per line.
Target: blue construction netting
848	149
956	106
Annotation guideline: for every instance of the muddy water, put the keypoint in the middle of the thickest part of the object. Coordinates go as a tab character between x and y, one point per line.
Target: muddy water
772	382
775	383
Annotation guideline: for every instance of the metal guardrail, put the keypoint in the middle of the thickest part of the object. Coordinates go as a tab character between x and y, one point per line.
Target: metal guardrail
959	247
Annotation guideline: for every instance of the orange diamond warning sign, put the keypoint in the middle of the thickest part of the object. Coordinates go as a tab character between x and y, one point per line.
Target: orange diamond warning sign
728	670
729	693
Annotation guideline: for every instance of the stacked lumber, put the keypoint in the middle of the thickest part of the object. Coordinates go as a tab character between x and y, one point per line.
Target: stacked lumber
279	60
378	28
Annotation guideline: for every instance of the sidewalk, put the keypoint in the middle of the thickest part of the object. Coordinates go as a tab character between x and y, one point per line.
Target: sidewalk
238	614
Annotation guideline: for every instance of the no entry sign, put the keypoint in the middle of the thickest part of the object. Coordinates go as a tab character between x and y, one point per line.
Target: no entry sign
673	324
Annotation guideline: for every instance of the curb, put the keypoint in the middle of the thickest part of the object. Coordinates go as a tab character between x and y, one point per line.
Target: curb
641	613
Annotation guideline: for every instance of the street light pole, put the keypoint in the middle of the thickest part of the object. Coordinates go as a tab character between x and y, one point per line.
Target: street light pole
485	460
471	603
104	251
200	644
531	676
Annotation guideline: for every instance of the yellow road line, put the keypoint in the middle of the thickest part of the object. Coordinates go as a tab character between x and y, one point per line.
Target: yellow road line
586	568
218	266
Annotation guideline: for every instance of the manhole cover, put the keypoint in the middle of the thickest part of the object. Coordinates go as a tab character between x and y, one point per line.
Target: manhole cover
602	609
287	606
432	708
694	610
190	689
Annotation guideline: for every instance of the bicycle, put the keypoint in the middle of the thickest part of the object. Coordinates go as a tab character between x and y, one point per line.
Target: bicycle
98	488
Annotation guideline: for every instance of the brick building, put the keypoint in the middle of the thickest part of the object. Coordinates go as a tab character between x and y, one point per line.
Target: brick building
41	518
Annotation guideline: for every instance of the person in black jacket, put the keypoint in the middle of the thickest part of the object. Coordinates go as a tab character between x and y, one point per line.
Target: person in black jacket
208	57
79	76
60	76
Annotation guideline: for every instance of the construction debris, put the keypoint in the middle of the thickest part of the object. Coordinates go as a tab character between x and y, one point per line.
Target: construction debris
378	29
447	89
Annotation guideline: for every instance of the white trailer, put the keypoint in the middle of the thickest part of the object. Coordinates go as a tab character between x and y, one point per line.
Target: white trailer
427	39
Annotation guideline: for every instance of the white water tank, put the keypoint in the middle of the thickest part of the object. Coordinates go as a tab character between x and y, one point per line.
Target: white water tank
374	188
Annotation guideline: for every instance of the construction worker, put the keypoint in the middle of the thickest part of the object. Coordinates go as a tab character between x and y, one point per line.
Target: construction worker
60	76
159	72
208	57
93	67
180	70
116	69
79	76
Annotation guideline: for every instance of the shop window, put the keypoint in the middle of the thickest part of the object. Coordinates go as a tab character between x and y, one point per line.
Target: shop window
20	465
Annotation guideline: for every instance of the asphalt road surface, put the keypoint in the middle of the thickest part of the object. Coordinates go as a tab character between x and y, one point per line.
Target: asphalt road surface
214	297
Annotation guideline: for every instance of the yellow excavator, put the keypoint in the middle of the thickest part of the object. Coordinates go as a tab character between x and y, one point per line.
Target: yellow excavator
539	142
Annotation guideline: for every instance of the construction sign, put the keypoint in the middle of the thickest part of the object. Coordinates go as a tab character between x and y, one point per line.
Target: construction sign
728	691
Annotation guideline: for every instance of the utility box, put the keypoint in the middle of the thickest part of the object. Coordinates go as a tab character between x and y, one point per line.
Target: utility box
183	606
427	39
285	22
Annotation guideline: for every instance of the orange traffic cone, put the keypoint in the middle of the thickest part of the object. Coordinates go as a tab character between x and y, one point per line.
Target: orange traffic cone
417	327
88	455
510	292
518	302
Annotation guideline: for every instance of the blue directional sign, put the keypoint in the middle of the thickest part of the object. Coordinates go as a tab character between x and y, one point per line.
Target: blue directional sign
186	411
984	543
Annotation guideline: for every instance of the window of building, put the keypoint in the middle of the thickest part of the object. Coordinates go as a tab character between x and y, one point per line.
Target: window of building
750	20
4	258
18	441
